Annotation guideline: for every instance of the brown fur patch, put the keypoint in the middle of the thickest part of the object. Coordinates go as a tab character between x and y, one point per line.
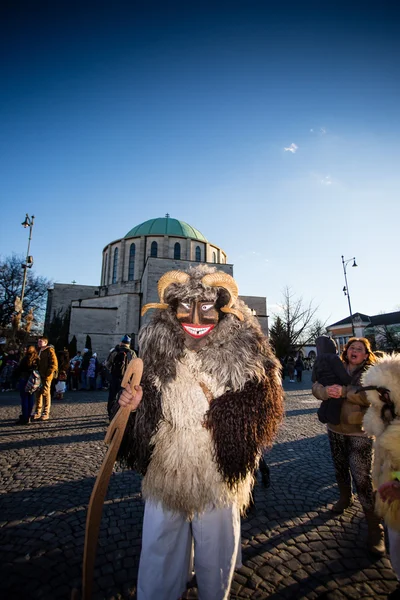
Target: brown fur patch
242	424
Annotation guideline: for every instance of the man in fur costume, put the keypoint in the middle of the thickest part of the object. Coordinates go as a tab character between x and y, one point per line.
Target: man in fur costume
212	400
382	420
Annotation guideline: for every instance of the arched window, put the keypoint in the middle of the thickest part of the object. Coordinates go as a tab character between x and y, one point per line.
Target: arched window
105	269
131	270
115	266
214	257
154	249
198	254
177	251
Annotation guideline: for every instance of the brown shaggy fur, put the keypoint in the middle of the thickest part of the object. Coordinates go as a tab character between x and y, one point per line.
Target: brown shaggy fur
135	449
242	424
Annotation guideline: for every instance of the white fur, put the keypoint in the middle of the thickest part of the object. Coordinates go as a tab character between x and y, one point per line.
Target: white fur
183	474
385	373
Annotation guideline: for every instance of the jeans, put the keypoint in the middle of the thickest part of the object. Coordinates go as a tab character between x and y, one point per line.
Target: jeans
27	400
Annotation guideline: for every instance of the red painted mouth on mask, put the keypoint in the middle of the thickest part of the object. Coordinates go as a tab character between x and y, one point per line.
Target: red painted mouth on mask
197	331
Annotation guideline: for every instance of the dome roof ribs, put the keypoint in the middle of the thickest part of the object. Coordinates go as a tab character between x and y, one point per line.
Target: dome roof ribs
166	226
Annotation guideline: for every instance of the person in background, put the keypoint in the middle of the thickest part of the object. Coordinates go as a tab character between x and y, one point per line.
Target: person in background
87	354
28	363
351	447
116	363
92	371
14	376
63	367
75	372
6	380
48	366
290	368
299	366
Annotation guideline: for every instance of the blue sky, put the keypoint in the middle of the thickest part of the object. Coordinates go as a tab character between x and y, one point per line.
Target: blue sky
274	131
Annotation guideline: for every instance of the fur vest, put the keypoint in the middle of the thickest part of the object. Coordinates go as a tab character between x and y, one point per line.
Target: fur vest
197	441
385	373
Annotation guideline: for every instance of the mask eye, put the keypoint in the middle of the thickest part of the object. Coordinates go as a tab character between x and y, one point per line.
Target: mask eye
206	307
185	305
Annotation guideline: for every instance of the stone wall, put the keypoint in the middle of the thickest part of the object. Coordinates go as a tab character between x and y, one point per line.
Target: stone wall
61	295
106	320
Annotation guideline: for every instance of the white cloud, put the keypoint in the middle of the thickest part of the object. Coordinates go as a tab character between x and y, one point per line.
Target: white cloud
326	180
322	131
292	148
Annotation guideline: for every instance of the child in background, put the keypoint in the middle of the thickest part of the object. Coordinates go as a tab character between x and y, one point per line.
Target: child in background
329	370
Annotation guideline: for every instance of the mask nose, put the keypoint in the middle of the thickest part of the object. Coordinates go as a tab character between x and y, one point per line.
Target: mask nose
195	314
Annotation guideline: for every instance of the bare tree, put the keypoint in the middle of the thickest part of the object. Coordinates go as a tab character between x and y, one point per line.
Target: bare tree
11	275
295	325
387	338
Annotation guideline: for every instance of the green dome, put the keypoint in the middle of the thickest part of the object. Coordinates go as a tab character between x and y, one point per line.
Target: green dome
166	226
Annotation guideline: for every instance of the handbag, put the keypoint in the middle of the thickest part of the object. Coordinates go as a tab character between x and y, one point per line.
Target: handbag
34	382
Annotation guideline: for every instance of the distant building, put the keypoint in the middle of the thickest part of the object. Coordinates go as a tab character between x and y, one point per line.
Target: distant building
131	268
380	328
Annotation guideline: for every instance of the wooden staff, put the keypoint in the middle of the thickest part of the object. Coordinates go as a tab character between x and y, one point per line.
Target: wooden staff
114	435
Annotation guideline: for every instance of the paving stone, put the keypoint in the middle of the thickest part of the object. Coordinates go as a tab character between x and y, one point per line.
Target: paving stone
293	547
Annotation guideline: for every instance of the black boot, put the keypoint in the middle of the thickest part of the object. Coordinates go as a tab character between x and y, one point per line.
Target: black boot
376	534
345	500
265	473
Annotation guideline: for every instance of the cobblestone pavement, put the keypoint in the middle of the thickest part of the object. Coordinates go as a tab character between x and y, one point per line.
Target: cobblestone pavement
293	546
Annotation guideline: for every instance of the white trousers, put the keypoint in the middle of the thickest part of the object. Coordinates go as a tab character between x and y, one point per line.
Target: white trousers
166	557
394	550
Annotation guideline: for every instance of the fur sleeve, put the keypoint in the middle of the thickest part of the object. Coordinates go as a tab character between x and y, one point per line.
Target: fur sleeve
319	391
135	450
242	423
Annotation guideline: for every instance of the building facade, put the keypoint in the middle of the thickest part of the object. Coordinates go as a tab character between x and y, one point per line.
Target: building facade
383	330
131	268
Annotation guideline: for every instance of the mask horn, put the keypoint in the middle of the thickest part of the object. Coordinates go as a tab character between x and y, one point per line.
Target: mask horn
164	281
226	282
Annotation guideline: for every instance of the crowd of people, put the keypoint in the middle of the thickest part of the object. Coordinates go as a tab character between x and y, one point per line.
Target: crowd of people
41	375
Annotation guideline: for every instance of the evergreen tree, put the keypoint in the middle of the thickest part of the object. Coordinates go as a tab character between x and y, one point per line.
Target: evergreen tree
57	330
88	343
279	338
73	347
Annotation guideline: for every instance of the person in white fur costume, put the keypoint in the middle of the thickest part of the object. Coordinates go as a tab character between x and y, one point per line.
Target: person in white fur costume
382	420
210	401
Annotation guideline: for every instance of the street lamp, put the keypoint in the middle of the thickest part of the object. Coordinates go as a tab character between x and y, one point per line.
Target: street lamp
346	287
29	259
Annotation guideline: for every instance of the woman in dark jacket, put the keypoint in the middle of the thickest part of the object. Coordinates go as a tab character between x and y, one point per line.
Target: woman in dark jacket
29	363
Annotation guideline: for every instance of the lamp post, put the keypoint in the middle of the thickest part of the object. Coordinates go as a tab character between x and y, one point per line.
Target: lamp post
346	287
29	259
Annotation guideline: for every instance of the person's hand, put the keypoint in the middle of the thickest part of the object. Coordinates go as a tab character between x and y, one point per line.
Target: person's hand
390	491
129	399
334	391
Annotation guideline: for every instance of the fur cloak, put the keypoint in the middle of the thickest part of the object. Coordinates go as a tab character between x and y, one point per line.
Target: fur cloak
385	373
205	416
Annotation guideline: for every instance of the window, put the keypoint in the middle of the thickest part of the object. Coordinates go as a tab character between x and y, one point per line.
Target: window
214	257
131	270
198	254
154	249
115	266
177	251
105	281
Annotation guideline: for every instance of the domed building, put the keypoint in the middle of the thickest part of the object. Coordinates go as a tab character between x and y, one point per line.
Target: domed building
131	268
